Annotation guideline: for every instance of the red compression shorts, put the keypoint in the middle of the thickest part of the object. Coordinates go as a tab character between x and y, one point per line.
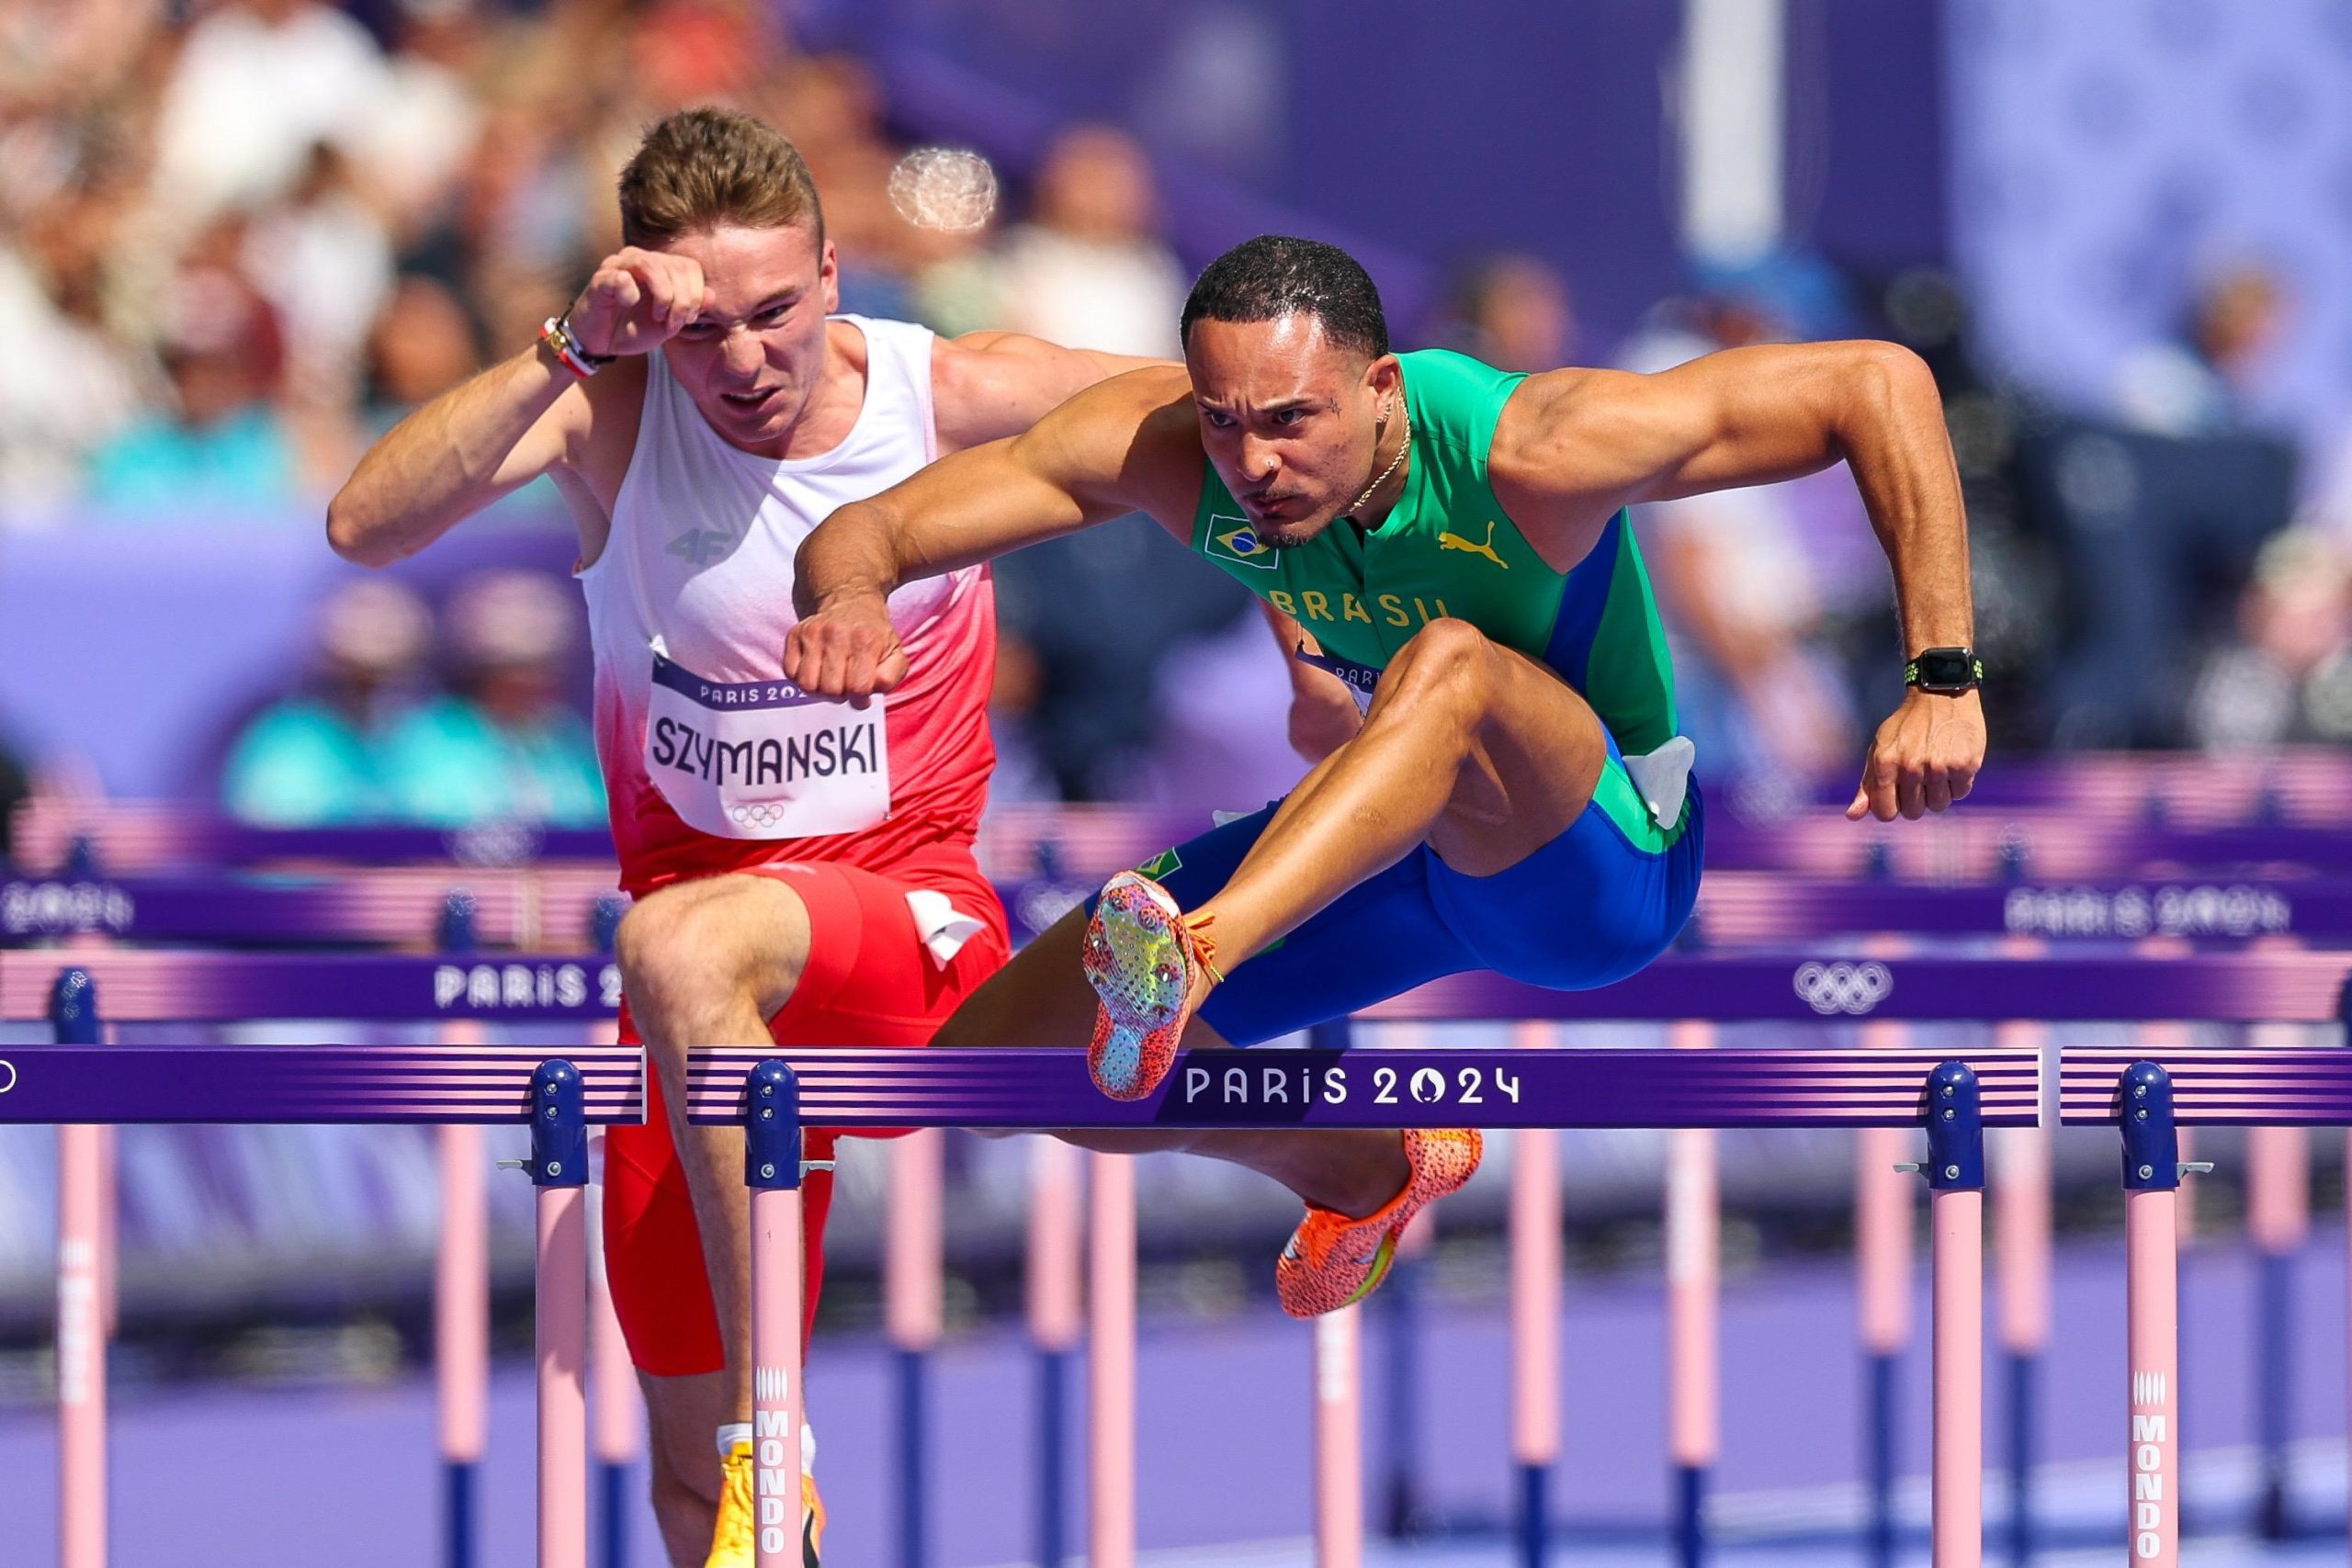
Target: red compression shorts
869	982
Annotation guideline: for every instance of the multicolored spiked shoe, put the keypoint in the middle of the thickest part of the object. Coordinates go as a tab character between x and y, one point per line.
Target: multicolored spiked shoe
1333	1260
1143	957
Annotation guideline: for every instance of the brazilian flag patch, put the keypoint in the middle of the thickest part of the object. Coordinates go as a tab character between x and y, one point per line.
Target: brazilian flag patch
1160	867
1233	538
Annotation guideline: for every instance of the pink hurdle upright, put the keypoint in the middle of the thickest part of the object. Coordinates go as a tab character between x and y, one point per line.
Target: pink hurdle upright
773	1169
1057	1242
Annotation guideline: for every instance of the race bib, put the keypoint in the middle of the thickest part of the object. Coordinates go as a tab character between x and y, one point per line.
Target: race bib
763	759
1363	679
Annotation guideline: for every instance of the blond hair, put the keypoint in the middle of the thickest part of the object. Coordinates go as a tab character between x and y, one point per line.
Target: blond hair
697	169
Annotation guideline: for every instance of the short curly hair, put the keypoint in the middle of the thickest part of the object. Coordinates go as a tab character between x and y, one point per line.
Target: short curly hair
697	169
1278	275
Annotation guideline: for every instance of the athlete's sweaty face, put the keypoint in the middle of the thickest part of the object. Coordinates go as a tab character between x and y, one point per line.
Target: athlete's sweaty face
751	359
1288	419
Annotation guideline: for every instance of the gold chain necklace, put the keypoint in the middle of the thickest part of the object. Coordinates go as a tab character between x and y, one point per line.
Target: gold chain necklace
1403	446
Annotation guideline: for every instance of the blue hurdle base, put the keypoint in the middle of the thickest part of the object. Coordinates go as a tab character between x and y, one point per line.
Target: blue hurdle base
2274	1339
1534	1522
1689	1515
612	1487
1879	1462
913	1477
2023	1370
458	1513
1052	1457
1403	1513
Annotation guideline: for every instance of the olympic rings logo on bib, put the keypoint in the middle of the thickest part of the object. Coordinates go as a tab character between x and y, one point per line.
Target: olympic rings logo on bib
755	816
1852	988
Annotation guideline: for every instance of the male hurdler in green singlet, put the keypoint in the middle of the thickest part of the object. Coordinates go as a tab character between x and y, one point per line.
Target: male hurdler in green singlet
1447	549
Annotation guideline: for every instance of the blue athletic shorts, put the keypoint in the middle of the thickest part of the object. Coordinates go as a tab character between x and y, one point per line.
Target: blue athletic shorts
1591	906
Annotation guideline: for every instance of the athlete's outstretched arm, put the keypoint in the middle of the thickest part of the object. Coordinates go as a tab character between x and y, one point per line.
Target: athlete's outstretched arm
1575	445
986	386
1113	449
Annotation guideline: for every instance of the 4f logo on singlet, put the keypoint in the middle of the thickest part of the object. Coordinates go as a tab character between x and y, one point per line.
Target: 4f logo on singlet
703	546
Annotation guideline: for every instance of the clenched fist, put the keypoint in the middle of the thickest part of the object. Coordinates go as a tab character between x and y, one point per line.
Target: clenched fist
638	300
847	648
1923	757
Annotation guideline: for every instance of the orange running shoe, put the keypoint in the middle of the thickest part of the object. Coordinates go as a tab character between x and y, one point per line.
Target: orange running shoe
1333	1261
1142	957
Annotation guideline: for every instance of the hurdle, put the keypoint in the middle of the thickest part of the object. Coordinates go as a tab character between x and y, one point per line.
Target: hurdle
461	1283
1385	1087
75	1087
1952	1098
391	901
1003	1089
2256	984
2291	986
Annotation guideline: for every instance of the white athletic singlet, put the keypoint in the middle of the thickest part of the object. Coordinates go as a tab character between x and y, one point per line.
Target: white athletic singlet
700	561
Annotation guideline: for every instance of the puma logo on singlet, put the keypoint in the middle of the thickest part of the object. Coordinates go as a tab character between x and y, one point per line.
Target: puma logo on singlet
1456	542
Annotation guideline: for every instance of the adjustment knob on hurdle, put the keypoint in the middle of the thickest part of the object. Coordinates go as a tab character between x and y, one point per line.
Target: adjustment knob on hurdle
559	1126
454	928
605	920
2151	1159
1955	1129
772	1157
80	857
73	1008
2015	858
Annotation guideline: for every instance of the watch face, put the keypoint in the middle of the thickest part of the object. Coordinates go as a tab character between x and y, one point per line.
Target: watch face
1947	667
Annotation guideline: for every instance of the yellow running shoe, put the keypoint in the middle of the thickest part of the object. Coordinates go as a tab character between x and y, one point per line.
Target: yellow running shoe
1332	1261
734	1545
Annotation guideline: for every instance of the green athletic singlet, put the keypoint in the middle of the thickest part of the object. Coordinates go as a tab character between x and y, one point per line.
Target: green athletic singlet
1447	548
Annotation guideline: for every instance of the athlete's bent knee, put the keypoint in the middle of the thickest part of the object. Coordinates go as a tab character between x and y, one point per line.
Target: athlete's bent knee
1447	659
695	943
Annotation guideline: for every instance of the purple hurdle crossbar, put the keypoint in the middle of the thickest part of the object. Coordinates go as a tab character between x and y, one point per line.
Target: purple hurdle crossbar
2295	815
2252	985
521	908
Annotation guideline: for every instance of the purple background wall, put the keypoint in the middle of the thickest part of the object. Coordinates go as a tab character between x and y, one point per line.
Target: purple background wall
136	646
1421	134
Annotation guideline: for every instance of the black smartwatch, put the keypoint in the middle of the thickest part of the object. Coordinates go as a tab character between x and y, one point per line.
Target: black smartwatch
1946	671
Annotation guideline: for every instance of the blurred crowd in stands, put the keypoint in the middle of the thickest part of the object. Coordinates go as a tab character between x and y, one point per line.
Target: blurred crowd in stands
371	739
239	239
